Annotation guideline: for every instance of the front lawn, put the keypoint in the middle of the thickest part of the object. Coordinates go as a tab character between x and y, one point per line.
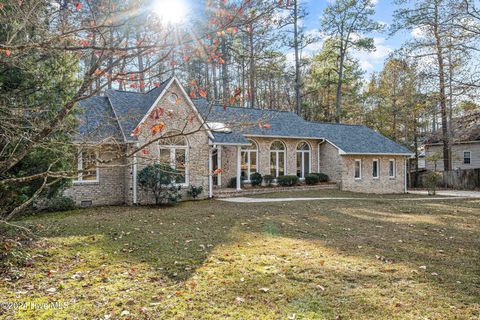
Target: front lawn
345	259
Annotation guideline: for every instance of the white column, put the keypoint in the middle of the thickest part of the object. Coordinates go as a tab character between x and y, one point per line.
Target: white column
210	173
219	160
239	169
405	174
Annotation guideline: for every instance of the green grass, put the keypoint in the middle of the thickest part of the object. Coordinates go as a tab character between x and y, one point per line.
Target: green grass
371	259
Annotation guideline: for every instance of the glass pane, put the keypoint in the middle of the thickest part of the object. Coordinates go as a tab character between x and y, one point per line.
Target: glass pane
165	156
357	169
180	164
391	168
303	146
281	163
277	145
89	165
299	164
244	165
375	169
253	162
306	161
273	163
173	138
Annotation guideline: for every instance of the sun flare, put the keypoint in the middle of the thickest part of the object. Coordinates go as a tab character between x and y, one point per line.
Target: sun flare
170	11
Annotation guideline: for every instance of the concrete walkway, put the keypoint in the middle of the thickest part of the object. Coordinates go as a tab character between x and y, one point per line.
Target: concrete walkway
450	193
259	200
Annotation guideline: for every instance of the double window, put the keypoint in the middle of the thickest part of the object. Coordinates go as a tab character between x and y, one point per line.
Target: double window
467	157
87	166
277	159
249	160
303	159
173	151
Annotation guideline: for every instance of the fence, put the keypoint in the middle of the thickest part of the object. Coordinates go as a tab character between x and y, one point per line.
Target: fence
467	179
461	179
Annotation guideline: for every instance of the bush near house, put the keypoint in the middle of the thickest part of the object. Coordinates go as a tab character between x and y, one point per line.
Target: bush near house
322	177
160	180
431	181
256	179
287	181
194	191
312	179
59	203
268	179
232	183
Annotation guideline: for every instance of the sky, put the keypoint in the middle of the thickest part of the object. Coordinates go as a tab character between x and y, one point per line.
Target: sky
385	44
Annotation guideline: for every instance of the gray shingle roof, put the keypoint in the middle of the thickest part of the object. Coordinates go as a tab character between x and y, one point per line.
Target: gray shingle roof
131	107
245	121
96	121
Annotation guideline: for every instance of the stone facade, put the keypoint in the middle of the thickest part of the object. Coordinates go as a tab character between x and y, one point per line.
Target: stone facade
110	187
116	183
367	183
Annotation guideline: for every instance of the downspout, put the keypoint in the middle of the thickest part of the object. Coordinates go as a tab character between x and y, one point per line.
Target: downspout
405	175
210	173
134	187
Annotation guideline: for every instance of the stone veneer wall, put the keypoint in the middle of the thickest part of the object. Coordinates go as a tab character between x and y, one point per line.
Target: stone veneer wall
178	116
109	190
331	162
368	184
229	156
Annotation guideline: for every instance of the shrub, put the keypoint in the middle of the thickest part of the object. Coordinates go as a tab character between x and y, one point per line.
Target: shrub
268	179
194	192
431	181
256	179
322	177
159	179
232	183
287	181
312	179
59	203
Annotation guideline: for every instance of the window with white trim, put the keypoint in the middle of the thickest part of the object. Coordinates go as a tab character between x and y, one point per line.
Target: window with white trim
467	157
87	166
249	163
376	168
391	168
358	169
303	159
173	151
278	161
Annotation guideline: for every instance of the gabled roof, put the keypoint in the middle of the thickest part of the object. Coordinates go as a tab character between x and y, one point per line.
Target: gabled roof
96	121
349	139
466	128
129	108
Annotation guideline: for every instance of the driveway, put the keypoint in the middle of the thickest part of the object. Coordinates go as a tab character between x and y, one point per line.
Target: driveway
259	200
450	193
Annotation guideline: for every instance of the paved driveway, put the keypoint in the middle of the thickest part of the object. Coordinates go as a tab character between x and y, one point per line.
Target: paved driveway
451	193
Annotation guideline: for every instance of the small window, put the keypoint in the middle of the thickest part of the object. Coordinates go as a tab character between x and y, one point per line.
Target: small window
358	169
467	157
87	166
391	168
375	169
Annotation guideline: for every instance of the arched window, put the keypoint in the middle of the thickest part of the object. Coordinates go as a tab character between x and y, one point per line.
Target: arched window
277	159
303	159
173	150
249	160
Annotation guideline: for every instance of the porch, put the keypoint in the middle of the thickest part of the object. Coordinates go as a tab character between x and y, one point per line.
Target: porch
246	191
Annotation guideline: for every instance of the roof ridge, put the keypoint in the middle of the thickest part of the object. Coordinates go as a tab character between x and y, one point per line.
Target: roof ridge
338	124
245	108
136	92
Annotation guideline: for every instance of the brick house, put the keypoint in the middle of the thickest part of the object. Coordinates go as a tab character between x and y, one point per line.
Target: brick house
197	138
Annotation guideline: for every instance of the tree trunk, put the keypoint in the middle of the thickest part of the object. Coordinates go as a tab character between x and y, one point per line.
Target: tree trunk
252	69
298	98
441	83
339	88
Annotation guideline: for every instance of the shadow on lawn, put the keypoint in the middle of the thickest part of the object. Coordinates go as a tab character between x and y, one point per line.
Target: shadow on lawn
177	241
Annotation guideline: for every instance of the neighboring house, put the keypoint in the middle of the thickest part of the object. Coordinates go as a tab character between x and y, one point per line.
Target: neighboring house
198	138
465	145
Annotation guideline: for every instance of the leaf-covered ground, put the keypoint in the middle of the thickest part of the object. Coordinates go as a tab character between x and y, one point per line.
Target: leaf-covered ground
355	259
